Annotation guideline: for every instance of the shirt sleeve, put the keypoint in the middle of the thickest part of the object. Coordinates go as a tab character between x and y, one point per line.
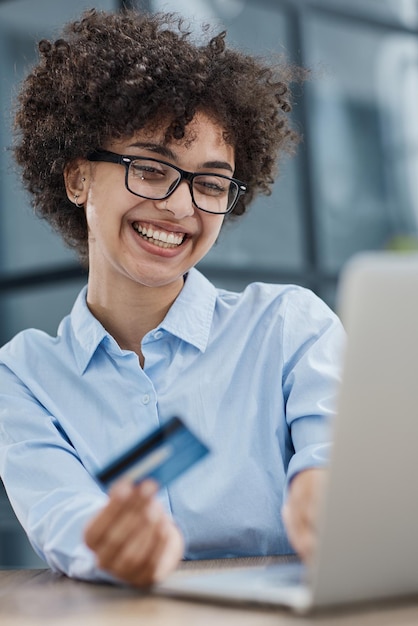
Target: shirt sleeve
51	492
313	343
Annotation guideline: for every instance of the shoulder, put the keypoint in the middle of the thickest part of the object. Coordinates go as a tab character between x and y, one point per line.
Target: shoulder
284	299
24	358
34	351
293	314
257	294
31	350
34	347
30	339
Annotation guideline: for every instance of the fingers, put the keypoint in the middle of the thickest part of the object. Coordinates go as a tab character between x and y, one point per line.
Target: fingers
133	537
127	535
300	530
165	552
125	502
300	512
134	557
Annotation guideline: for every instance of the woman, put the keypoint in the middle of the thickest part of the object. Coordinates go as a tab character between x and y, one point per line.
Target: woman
136	145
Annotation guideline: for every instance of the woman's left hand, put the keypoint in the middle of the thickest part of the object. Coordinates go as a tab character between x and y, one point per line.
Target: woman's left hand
300	513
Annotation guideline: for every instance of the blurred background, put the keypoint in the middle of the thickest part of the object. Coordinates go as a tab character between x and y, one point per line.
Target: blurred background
351	187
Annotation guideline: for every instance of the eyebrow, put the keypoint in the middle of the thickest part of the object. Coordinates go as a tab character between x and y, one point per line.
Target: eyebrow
166	152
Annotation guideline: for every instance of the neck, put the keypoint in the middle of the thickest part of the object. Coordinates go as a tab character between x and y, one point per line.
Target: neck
129	314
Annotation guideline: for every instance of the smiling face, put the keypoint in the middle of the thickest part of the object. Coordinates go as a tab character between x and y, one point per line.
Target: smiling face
138	242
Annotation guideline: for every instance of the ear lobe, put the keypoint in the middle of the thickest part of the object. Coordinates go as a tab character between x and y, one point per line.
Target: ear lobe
75	180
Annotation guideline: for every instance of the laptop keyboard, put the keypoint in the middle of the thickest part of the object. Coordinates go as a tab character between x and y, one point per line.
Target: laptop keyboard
284	574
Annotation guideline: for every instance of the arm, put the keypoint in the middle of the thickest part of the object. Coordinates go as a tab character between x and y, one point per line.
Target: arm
55	498
314	344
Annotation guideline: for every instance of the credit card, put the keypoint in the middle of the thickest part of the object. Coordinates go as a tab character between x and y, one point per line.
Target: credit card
162	455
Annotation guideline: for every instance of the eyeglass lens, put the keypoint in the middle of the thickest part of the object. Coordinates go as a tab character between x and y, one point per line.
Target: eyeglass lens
155	180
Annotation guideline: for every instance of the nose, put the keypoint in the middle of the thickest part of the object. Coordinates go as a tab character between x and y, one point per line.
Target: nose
179	202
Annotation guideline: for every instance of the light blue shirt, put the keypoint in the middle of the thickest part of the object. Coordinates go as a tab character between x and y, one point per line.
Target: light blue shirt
253	374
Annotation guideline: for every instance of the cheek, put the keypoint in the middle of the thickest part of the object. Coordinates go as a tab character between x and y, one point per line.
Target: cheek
105	194
102	223
212	227
103	209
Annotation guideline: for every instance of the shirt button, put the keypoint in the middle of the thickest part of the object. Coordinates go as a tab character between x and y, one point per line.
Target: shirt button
158	334
145	398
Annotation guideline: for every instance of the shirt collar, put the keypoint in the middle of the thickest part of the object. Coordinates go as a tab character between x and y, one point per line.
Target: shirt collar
189	319
190	316
87	333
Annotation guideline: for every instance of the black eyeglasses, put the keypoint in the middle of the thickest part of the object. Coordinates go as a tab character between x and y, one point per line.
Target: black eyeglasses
157	180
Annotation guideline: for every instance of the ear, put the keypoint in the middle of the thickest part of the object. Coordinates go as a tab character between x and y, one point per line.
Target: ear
76	179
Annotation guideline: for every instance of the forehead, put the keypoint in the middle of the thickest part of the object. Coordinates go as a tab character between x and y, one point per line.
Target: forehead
201	128
204	139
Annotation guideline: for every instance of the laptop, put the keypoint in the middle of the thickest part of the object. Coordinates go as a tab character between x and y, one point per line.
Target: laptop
368	528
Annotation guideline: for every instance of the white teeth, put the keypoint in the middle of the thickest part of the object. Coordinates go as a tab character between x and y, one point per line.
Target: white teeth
159	238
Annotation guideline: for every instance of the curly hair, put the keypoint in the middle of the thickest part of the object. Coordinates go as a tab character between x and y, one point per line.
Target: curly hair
113	74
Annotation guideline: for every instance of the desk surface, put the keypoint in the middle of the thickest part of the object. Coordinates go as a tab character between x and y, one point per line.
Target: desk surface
40	597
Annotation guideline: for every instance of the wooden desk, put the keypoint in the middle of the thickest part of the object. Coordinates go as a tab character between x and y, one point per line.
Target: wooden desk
40	597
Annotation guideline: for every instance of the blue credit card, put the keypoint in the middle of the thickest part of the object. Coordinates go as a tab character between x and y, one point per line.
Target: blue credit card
162	455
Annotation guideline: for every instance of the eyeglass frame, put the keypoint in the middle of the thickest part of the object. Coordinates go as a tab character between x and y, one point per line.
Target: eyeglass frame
107	156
